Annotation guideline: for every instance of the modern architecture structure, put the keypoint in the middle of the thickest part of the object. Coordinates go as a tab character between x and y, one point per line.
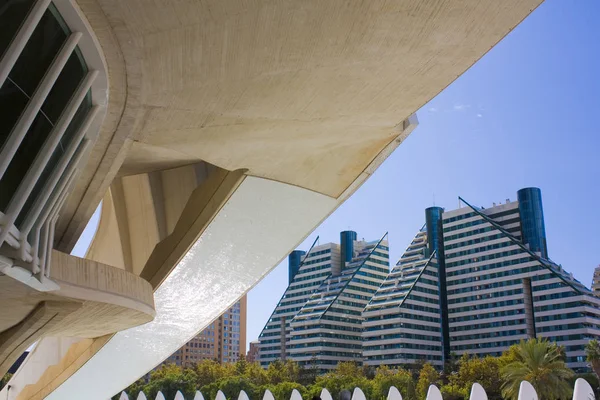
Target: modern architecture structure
224	340
476	280
318	320
212	136
596	281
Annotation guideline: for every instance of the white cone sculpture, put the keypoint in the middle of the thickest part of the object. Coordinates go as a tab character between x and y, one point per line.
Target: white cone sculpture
325	395
583	390
478	392
527	391
394	394
358	394
295	395
243	396
220	396
434	393
268	395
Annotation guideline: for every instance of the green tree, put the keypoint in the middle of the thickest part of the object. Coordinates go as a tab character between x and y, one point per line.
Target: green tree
346	376
485	371
283	390
133	390
209	371
592	350
169	379
540	363
309	375
231	387
428	376
386	377
256	374
283	371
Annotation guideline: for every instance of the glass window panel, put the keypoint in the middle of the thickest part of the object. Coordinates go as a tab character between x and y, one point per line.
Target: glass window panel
41	49
23	158
66	84
12	15
12	104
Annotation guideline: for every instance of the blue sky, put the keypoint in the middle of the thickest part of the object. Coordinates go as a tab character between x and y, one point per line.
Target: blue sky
524	115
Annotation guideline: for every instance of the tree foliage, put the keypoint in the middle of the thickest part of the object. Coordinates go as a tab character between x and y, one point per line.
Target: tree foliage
541	363
427	377
537	361
592	350
485	371
386	377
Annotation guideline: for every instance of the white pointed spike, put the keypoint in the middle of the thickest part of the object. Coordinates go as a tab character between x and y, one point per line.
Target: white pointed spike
268	395
198	396
295	395
141	396
583	390
478	392
160	396
243	396
325	395
527	391
220	396
394	394
179	396
434	393
358	394
123	396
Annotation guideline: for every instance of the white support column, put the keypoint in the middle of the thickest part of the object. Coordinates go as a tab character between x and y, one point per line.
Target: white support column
18	44
35	103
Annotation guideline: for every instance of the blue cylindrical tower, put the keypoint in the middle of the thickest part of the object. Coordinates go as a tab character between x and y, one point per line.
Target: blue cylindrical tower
294	260
347	239
435	242
533	230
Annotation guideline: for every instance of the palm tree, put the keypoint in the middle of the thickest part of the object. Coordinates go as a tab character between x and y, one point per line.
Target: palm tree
540	363
593	355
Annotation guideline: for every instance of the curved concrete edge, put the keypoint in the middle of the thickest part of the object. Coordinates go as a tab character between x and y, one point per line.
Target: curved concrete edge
262	221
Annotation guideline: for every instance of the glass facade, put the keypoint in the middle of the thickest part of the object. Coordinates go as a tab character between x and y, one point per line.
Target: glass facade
347	239
435	240
294	260
533	229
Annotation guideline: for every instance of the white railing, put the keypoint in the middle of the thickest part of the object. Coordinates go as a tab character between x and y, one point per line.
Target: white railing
27	222
582	391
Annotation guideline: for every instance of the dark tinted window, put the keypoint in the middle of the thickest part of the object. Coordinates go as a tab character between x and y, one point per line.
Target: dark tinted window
12	14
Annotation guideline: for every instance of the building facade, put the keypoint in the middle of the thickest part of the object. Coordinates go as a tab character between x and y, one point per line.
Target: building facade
477	280
252	355
224	340
473	280
596	281
318	320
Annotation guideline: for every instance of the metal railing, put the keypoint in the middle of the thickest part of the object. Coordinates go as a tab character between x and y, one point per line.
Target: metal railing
30	212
